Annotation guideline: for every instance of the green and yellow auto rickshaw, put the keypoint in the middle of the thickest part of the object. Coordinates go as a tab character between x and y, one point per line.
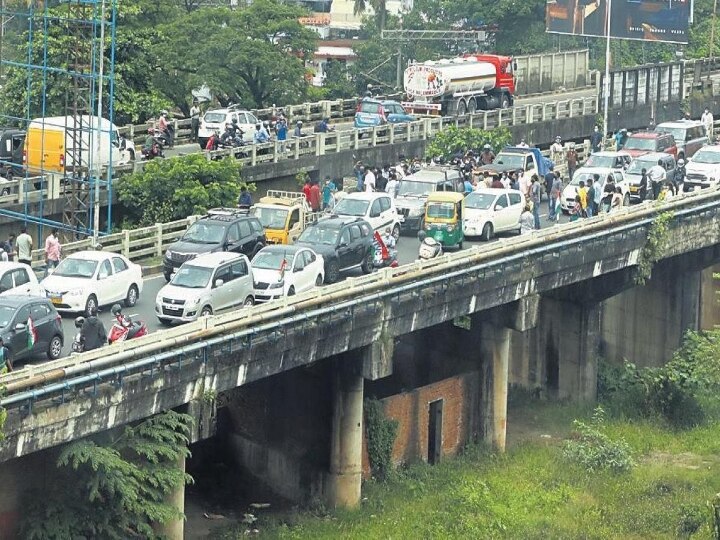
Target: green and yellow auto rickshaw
443	217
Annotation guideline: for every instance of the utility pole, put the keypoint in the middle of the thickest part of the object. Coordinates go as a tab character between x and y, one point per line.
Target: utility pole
606	86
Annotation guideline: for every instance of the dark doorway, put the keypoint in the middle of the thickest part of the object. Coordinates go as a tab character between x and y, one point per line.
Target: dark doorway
435	431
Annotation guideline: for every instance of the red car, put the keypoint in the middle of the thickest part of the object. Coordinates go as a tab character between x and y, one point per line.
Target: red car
644	142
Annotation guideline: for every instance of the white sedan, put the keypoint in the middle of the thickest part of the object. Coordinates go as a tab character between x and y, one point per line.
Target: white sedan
490	210
86	280
286	270
18	279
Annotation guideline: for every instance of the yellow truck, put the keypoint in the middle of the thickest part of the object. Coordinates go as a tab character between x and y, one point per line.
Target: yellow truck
284	215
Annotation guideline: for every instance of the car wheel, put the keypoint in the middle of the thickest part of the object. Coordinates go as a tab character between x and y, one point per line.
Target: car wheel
132	296
626	200
55	348
165	322
396	232
291	291
249	302
504	102
318	281
91	305
367	265
207	310
460	246
487	232
332	274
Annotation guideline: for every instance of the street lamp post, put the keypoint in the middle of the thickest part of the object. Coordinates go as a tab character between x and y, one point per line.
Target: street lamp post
606	85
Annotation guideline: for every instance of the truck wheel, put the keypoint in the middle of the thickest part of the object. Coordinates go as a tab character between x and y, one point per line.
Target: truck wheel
472	106
504	102
461	108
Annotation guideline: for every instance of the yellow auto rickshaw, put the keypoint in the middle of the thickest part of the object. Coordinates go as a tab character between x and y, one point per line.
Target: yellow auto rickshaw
443	217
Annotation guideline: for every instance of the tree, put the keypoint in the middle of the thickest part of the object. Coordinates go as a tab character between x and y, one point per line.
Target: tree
378	6
114	487
175	188
453	140
337	83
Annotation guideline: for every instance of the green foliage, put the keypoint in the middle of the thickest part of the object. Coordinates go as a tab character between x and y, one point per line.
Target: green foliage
452	140
301	177
381	433
170	189
594	449
692	517
714	505
116	489
654	247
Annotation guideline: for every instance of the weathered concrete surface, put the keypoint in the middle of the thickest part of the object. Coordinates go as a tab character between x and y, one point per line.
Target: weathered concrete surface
710	298
494	380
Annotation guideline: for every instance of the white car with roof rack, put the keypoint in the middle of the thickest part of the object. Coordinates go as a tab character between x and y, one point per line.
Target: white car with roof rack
377	208
216	119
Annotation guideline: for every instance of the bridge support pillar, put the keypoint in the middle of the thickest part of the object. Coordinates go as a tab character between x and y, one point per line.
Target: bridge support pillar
346	439
494	390
174	529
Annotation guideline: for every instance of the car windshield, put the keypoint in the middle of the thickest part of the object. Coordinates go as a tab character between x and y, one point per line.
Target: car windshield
272	259
271	218
417	189
76	268
214	117
6	315
192	277
351	207
369	107
584	177
441	210
677	133
320	235
640	143
479	201
706	156
515	161
202	232
637	165
605	162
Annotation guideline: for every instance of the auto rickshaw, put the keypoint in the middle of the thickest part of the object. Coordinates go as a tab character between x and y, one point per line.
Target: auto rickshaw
443	217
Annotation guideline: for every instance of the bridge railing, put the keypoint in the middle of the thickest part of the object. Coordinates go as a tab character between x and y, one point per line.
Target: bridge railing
242	328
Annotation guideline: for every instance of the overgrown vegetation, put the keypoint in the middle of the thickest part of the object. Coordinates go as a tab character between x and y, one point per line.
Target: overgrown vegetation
381	432
653	250
170	189
113	488
452	140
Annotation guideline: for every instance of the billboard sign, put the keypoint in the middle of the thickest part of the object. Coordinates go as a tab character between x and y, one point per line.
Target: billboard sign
648	20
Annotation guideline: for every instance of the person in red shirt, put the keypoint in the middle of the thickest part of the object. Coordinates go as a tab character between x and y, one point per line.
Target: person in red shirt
314	198
306	190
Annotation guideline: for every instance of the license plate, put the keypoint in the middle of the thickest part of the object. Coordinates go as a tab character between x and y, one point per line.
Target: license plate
172	308
56	299
633	189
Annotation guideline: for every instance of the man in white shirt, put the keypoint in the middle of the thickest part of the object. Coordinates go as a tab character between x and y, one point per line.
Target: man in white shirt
708	121
369	181
556	150
392	186
24	245
657	176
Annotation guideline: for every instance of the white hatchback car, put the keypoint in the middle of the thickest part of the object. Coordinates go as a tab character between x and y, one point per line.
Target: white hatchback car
18	280
215	120
283	270
86	280
205	285
377	208
489	211
587	174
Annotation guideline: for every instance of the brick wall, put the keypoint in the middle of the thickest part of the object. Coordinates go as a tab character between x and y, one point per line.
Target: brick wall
460	422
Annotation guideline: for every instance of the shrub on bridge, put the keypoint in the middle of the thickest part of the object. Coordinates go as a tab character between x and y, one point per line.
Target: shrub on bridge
170	189
451	140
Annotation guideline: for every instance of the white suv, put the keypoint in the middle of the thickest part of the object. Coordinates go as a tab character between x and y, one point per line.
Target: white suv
377	208
205	285
215	120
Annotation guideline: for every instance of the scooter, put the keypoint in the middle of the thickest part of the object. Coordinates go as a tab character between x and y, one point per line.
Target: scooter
385	257
126	330
78	343
429	247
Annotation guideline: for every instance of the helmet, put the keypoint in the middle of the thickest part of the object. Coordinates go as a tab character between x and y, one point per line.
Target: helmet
266	123
680	162
299	122
79	321
116	310
486	147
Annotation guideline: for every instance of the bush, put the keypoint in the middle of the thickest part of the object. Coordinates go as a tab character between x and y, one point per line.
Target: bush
381	433
452	140
595	450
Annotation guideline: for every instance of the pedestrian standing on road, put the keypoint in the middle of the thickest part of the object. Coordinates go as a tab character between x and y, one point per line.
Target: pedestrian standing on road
556	150
497	183
582	193
298	132
306	189
10	246
523	144
328	192
392	186
549	179
607	195
24	247
617	200
597	193
535	196
708	121
590	209
194	121
314	198
52	251
245	199
527	221
5	360
657	175
369	180
644	184
576	210
596	139
487	156
359	172
281	128
514	182
555	194
571	158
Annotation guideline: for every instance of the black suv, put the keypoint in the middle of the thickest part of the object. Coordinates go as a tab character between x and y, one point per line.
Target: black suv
344	243
16	313
221	230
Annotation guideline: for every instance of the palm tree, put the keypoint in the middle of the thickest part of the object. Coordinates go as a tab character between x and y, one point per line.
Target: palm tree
378	7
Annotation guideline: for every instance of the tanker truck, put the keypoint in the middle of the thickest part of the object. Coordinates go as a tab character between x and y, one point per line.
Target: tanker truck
460	85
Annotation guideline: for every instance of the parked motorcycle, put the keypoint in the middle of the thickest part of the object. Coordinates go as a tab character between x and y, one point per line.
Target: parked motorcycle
429	247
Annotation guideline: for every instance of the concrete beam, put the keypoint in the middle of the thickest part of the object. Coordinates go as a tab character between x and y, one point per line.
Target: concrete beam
521	315
494	384
204	414
378	359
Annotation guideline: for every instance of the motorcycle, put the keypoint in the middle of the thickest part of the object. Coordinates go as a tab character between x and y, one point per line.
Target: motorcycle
384	257
127	329
429	247
155	150
167	136
78	343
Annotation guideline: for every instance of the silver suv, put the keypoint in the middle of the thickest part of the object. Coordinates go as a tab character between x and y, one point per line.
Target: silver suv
215	120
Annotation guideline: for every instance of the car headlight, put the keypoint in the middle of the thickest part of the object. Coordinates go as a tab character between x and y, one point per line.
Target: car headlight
74	292
449	228
428	226
279	285
168	254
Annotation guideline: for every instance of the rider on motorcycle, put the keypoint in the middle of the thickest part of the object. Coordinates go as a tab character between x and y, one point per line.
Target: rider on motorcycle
121	319
92	331
150	148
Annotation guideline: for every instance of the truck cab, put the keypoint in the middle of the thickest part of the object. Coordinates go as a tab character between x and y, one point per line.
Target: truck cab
283	215
514	158
11	152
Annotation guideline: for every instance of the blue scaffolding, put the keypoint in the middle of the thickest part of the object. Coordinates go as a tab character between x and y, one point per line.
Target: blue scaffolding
66	59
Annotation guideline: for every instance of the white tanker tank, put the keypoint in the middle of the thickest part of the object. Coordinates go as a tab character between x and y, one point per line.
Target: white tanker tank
460	84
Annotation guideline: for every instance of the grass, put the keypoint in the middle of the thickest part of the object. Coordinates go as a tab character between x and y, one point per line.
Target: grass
531	492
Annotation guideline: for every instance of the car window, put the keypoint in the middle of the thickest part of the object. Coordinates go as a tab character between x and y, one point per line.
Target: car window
238	269
515	198
223	273
309	257
294	218
105	269
355	232
39	311
6	282
345	237
256	226
245	230
21	276
385	204
502	201
233	233
22	315
119	265
618	177
375	209
251	119
299	262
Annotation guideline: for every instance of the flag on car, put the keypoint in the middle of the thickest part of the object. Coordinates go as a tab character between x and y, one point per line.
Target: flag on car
32	333
283	267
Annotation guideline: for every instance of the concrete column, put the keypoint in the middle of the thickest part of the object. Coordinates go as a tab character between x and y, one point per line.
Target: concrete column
495	361
174	530
346	438
690	284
